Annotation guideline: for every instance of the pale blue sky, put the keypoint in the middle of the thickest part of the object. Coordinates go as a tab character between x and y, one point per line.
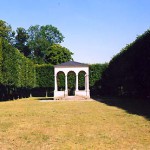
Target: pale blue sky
94	30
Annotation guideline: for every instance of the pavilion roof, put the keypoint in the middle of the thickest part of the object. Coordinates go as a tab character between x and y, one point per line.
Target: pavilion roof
71	64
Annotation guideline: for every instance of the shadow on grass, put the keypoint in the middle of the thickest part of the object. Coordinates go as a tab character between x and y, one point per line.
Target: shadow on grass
139	107
36	98
45	98
1	101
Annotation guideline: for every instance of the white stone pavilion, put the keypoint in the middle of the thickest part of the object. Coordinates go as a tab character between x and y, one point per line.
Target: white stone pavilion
76	67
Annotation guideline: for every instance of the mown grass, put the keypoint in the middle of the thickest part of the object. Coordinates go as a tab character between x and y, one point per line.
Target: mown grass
30	124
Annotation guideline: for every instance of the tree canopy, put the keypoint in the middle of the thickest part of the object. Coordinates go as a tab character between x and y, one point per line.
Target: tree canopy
56	54
41	38
6	31
38	43
21	40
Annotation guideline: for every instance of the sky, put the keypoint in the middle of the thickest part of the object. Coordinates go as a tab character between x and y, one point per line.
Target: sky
94	30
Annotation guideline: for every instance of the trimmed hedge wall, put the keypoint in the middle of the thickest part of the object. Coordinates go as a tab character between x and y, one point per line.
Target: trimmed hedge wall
128	73
17	73
96	72
44	76
45	79
1	60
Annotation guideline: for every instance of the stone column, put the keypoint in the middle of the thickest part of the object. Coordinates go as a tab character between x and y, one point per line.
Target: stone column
87	82
66	85
87	86
56	87
77	83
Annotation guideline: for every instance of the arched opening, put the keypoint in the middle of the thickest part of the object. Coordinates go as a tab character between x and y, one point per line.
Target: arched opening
71	79
61	81
81	80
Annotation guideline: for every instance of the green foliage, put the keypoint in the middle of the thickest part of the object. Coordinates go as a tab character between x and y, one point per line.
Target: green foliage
51	34
44	76
21	36
21	41
41	38
95	72
4	29
41	44
128	72
71	80
30	74
38	43
1	58
48	33
56	54
81	80
9	65
17	73
17	70
61	81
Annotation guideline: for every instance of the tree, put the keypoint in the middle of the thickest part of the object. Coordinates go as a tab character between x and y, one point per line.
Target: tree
6	31
37	42
21	41
57	54
40	39
51	34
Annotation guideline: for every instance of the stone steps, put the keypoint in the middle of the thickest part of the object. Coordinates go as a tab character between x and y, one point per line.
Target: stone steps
74	98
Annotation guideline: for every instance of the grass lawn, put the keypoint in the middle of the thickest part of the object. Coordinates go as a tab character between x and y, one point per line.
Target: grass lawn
29	124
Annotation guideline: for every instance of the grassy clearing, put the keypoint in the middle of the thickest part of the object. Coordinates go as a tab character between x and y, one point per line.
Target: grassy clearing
30	124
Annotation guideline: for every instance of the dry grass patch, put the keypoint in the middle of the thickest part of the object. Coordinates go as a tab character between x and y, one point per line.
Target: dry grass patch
29	124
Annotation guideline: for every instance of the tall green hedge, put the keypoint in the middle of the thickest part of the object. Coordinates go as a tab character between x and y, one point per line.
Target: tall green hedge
1	58
45	76
95	72
128	73
16	71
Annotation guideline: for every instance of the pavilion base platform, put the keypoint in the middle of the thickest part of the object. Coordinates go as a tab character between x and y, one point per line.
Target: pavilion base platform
62	95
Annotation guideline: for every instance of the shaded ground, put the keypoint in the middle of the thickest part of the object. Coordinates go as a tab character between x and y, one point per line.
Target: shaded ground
139	107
